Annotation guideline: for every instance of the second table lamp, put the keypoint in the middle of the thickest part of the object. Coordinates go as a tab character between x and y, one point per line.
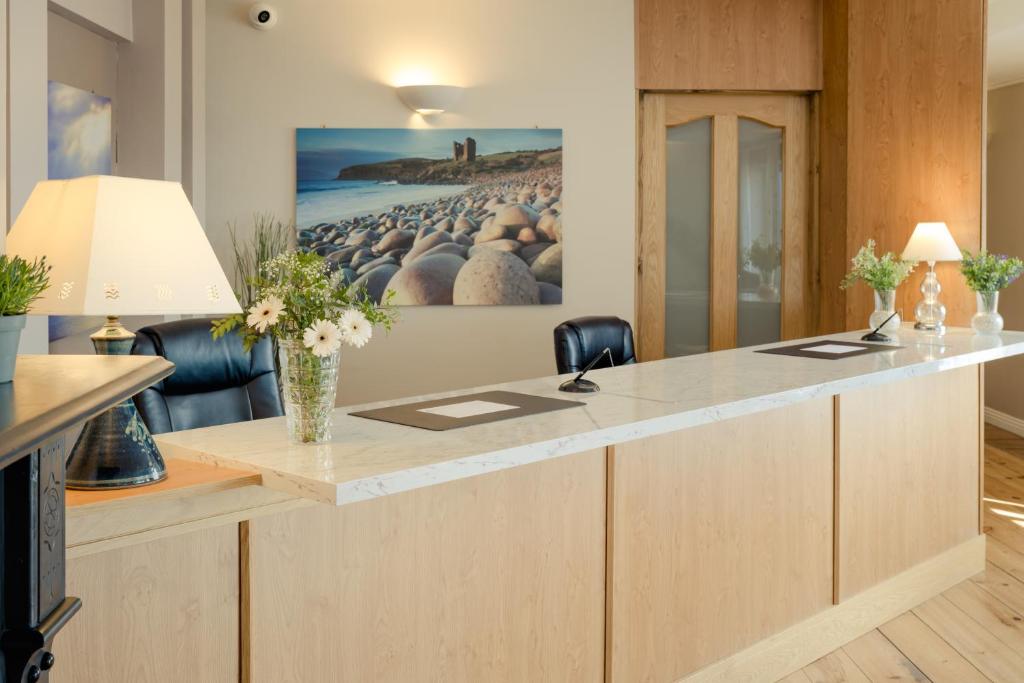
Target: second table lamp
931	242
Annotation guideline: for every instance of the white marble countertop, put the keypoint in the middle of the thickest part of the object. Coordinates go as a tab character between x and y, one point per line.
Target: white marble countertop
368	458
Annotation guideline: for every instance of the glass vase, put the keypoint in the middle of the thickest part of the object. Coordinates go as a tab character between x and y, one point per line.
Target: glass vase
885	306
309	384
987	320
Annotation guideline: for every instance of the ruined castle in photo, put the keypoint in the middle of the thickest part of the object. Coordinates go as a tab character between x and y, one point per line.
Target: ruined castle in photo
464	151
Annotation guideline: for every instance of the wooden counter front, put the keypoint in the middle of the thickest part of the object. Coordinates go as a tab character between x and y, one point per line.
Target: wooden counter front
740	549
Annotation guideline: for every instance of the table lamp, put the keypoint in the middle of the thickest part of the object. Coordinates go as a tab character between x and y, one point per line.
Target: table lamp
119	246
931	242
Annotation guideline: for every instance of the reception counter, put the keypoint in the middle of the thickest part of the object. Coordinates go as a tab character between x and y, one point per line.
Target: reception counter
724	517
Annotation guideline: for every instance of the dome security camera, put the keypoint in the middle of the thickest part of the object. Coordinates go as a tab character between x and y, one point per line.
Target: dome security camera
262	16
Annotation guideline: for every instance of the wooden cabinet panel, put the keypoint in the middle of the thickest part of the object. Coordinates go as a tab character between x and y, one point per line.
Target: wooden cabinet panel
495	578
726	45
901	142
908	468
721	535
155	612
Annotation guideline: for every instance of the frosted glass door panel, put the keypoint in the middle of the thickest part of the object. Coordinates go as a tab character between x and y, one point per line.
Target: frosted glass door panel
759	239
687	237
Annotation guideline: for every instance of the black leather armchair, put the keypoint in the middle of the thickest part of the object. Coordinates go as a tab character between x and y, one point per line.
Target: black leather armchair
214	382
579	341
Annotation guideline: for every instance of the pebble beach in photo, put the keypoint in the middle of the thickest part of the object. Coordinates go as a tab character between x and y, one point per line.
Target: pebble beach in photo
494	240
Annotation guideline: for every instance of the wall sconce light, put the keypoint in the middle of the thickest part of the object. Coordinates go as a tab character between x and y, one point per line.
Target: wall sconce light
429	99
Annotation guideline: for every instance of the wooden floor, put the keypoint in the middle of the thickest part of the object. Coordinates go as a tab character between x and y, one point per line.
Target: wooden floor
975	630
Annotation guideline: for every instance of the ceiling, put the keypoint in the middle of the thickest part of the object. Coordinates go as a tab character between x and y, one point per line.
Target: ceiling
1005	42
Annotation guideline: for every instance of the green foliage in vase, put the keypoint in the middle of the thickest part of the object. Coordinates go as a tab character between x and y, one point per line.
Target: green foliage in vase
764	256
269	238
21	283
990	272
297	298
881	274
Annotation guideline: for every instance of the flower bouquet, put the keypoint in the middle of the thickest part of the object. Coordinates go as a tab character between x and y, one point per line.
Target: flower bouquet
988	274
311	313
766	258
882	274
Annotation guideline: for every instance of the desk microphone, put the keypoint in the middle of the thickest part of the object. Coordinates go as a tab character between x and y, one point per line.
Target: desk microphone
876	336
578	385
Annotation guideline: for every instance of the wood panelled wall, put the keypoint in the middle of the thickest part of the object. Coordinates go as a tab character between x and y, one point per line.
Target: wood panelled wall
901	85
901	140
728	44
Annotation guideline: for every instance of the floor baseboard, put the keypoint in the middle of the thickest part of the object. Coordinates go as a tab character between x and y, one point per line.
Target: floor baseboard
1004	421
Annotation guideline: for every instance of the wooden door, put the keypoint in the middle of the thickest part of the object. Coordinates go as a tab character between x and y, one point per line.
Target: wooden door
724	237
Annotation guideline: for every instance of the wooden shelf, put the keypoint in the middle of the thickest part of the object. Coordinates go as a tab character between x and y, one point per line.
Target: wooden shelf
185	479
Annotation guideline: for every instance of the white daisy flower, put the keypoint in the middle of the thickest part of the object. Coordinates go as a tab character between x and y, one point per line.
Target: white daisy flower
265	314
323	337
356	330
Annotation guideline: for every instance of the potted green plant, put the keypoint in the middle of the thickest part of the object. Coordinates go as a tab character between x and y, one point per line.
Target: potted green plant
21	283
310	312
883	275
987	275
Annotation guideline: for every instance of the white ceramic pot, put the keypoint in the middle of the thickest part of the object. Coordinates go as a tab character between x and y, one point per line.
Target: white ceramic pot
10	334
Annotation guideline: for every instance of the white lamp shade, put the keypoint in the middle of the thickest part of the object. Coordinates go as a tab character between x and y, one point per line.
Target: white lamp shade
429	99
120	246
931	242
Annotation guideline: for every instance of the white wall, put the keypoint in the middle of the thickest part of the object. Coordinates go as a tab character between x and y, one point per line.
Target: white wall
109	18
4	160
193	104
149	86
566	64
26	109
1004	378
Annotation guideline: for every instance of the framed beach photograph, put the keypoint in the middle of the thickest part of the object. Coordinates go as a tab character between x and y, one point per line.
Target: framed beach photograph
439	216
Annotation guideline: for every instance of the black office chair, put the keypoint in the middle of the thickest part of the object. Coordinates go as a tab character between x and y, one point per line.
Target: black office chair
579	341
214	382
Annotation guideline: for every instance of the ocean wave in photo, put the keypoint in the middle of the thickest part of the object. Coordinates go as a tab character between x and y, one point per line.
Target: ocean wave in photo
326	201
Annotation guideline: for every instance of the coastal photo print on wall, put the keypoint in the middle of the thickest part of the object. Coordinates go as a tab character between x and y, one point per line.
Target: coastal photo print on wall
439	216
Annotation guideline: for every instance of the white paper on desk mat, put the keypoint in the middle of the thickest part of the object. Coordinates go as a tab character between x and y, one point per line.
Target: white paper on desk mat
833	348
467	409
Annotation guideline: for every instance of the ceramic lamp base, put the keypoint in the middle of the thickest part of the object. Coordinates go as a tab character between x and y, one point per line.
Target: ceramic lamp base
115	449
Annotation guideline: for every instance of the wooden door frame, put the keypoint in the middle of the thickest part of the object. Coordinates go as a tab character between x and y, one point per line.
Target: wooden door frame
791	111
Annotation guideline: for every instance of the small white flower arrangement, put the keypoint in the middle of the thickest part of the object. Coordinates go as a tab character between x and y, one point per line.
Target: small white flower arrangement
310	313
299	299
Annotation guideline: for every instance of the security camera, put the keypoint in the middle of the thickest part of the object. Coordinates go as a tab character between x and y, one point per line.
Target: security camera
262	16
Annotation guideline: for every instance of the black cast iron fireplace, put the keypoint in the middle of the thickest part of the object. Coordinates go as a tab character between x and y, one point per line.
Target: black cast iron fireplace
33	606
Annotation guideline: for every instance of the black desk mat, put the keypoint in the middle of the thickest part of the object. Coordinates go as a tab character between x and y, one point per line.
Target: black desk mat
806	350
409	414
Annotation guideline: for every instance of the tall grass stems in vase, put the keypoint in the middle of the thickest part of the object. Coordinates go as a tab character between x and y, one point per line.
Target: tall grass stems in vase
883	274
267	238
987	275
311	313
